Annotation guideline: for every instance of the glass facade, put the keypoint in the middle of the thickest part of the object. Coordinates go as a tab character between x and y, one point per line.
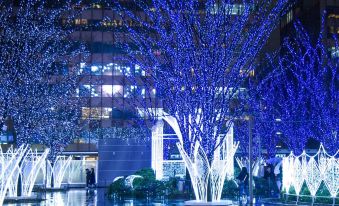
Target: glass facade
109	87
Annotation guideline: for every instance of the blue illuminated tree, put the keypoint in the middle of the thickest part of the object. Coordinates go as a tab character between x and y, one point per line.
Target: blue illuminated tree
303	94
38	80
316	71
282	115
198	55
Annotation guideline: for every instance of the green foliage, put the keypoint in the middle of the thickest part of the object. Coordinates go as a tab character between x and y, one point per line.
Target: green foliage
148	188
119	188
146	173
144	187
322	195
172	191
230	189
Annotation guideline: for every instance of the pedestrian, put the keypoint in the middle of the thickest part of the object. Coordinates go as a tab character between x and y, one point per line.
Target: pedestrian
278	177
92	177
271	181
88	173
243	183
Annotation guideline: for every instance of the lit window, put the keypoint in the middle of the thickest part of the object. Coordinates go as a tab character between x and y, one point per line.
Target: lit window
96	69
85	90
334	52
289	16
96	6
252	73
139	71
117	90
85	112
84	69
143	93
117	70
107	90
153	93
334	16
127	71
80	21
108	69
96	91
129	91
229	9
95	113
106	112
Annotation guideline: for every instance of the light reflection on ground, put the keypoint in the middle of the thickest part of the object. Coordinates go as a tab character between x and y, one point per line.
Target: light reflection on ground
81	197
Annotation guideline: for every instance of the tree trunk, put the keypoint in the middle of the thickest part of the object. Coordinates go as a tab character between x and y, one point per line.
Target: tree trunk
209	190
52	174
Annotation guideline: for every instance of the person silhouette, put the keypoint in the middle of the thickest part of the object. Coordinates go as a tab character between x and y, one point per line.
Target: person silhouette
88	173
92	177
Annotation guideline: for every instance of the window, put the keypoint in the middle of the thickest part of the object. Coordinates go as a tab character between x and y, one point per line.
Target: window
140	92
106	112
127	71
117	90
289	17
153	93
235	9
228	9
334	16
85	90
334	52
96	69
84	69
96	6
85	112
96	112
107	69
139	71
117	70
117	113
129	91
107	90
96	91
80	21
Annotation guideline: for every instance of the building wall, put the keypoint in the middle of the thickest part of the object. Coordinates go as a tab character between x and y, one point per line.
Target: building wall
121	157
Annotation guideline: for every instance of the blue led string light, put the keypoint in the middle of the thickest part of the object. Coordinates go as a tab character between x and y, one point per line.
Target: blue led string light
198	56
34	48
300	101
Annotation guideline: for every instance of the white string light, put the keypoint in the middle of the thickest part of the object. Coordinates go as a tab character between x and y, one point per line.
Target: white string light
58	170
200	168
9	161
28	169
313	170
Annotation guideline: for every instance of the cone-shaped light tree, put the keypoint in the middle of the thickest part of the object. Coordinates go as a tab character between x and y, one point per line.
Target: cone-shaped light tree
198	55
